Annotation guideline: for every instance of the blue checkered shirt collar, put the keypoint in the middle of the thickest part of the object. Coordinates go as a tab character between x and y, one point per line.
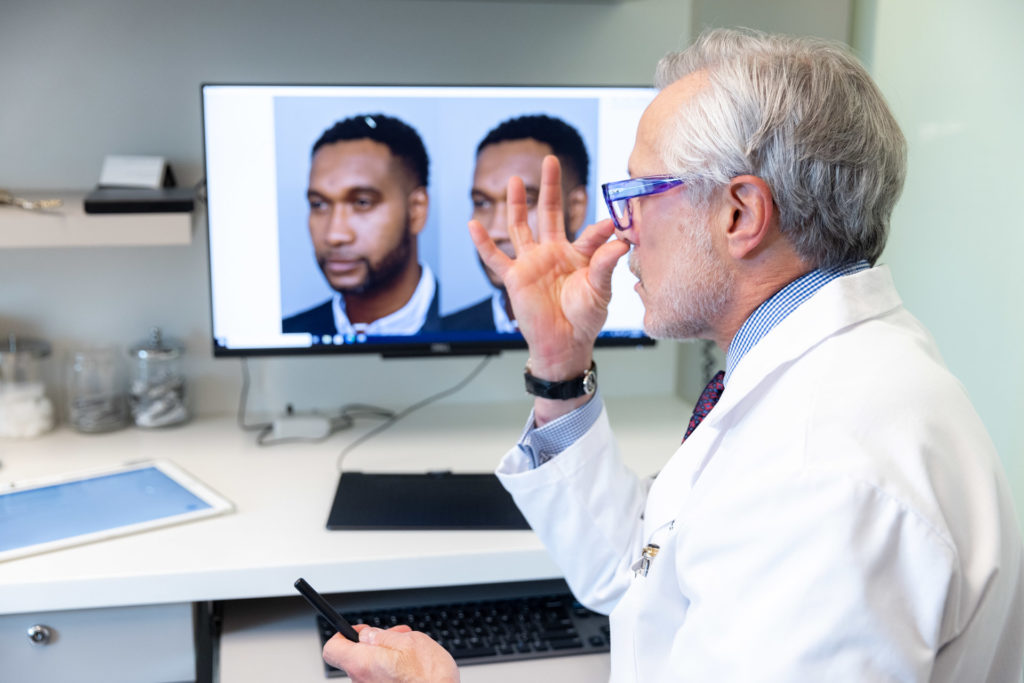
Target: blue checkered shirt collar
782	303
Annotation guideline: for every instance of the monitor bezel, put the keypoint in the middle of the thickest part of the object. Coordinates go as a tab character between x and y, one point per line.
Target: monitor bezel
424	346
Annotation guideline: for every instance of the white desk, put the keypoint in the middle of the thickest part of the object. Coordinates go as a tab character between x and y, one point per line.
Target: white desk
282	495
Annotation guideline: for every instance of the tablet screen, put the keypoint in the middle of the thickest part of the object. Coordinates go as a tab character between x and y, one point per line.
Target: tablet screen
94	507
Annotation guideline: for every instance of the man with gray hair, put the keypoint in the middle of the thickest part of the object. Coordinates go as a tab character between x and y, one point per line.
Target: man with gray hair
836	511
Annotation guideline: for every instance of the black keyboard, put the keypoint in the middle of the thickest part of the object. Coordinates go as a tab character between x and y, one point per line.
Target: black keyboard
484	623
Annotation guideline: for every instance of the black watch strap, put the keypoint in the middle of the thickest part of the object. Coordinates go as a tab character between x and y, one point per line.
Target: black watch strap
583	385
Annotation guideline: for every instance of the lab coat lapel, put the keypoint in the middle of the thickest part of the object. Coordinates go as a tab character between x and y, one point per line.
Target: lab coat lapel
846	301
842	303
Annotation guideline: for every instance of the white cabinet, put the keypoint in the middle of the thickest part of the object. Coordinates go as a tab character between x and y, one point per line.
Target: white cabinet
138	644
71	226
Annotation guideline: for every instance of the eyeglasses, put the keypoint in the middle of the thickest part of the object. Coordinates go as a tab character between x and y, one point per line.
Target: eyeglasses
618	194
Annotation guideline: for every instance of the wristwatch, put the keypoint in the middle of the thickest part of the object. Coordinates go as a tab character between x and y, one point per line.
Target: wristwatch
583	385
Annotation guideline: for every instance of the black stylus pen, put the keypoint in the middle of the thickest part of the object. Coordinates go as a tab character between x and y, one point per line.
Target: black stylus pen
326	611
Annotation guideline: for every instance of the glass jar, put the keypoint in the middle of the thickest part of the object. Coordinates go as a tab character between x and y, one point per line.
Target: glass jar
157	384
97	400
25	410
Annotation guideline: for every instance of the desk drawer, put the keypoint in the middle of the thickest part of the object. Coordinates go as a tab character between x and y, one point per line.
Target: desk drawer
140	644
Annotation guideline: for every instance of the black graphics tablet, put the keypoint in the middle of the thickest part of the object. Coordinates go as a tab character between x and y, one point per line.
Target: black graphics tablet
431	501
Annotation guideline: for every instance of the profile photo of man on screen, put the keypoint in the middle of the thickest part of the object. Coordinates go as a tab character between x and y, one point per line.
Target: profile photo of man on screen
516	147
368	203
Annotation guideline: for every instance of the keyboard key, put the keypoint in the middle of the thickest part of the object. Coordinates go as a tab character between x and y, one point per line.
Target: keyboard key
468	650
564	643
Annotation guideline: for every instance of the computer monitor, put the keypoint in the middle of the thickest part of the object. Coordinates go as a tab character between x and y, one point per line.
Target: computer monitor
292	271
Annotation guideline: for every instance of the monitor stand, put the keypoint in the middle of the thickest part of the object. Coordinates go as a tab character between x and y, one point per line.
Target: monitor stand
426	501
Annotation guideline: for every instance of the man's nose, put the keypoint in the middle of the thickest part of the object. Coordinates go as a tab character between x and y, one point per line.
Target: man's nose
339	228
626	235
497	228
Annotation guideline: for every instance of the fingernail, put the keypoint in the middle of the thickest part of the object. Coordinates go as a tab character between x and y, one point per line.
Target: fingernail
368	635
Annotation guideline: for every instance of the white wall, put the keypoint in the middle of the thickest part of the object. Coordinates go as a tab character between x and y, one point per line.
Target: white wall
952	72
116	76
824	18
119	76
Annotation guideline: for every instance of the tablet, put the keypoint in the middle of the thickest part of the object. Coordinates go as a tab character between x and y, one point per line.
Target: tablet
72	509
432	500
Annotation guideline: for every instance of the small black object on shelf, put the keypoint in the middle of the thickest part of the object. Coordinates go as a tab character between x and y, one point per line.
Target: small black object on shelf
140	200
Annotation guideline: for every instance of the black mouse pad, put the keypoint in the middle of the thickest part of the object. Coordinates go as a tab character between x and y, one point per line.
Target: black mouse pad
442	500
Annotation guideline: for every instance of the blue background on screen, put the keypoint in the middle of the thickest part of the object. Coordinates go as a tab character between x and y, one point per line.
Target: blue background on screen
71	509
451	128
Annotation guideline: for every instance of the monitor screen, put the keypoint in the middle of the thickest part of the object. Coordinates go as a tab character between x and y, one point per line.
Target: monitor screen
337	214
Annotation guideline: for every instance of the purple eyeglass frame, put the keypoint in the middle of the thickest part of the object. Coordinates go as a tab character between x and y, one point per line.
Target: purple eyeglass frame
624	190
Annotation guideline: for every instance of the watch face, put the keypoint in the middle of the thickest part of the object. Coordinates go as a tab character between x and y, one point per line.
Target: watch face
589	382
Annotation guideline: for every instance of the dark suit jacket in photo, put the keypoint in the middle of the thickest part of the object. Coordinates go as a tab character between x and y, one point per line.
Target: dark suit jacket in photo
319	320
478	316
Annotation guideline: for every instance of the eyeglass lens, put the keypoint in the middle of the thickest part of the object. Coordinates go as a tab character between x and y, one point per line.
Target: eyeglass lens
622	213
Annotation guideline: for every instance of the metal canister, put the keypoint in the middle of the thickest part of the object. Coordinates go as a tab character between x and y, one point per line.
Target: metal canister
157	393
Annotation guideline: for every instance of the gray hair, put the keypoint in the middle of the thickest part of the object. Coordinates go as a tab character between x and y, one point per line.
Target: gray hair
803	115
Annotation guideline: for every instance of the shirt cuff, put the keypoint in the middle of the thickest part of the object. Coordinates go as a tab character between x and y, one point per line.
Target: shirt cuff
540	444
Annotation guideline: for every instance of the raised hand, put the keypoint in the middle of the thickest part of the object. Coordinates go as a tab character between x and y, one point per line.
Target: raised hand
558	290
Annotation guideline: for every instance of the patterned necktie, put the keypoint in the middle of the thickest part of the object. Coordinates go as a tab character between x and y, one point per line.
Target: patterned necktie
708	398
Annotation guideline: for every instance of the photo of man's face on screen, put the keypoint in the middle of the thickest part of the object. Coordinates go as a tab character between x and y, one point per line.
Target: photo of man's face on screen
516	147
364	236
368	202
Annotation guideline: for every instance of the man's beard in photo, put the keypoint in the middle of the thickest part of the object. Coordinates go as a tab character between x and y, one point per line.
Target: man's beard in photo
384	273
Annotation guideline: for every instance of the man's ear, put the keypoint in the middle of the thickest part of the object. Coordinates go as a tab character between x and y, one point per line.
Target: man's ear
418	204
575	210
753	221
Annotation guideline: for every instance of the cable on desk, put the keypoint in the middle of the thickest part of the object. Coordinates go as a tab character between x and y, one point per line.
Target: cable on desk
413	408
244	399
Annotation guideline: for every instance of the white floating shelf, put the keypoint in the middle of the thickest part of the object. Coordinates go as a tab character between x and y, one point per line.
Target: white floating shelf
71	226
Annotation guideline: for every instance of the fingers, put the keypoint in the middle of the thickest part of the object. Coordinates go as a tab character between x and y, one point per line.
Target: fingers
368	663
550	217
397	654
493	258
401	628
395	638
550	214
594	236
339	651
603	255
602	265
519	232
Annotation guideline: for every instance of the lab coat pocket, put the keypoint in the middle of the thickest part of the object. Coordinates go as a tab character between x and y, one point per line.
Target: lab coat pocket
640	614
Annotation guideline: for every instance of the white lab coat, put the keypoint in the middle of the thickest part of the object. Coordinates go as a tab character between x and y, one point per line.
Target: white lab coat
841	515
